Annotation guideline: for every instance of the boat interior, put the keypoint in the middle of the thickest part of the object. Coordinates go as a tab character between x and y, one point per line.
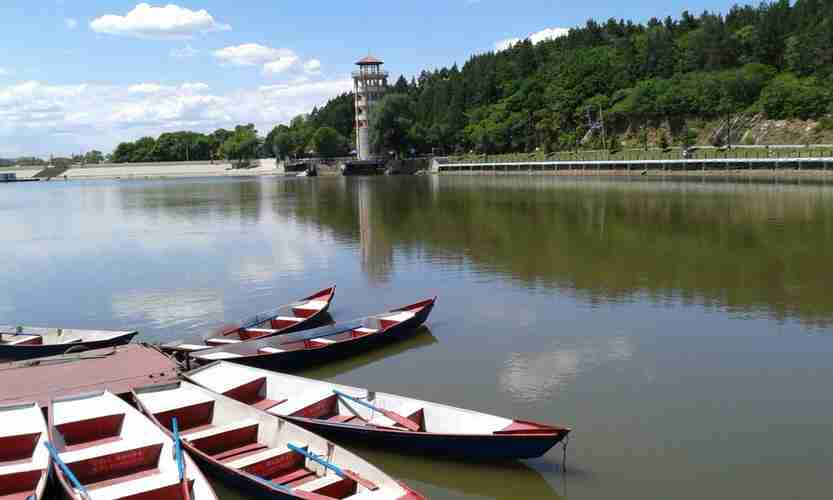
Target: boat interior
116	452
272	323
31	336
292	396
24	459
248	441
328	335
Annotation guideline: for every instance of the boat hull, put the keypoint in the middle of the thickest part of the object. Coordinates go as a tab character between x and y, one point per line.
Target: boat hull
302	359
23	352
485	447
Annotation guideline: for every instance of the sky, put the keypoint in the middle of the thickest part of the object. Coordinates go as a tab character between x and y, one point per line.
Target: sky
79	75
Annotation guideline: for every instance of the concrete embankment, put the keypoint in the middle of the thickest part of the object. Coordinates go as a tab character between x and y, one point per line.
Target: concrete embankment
158	170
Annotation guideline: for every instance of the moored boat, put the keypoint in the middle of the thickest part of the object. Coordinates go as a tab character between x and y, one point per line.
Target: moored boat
302	314
24	461
376	418
323	344
261	454
27	342
103	448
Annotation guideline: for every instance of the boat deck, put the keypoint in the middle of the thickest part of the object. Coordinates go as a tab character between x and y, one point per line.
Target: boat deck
117	369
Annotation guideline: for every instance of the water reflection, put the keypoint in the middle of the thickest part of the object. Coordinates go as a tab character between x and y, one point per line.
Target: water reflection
754	246
537	376
187	312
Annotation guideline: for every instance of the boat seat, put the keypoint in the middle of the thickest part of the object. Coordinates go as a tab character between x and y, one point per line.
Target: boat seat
19	484
92	429
316	305
111	460
395	319
256	333
270	350
18	446
193	347
25	340
71	341
219	355
309	404
407	409
320	483
217	439
269	462
265	404
165	485
324	340
365	330
281	322
216	342
293	476
236	453
191	408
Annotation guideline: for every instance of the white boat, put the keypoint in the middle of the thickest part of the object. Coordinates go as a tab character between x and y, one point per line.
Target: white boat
24	460
104	449
403	424
261	454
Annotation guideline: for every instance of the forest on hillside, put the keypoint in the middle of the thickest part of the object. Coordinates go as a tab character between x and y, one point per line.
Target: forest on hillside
773	60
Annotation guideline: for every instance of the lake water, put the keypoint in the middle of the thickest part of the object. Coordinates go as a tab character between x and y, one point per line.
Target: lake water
684	329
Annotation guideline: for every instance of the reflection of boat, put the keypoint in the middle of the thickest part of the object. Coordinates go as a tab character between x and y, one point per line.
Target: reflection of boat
24	460
26	342
505	480
323	344
396	422
104	448
262	454
301	315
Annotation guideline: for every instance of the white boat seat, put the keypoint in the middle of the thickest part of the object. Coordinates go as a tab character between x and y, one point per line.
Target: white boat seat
262	331
398	317
365	330
112	448
164	401
222	429
319	483
193	347
19	339
324	340
313	305
71	341
79	410
222	341
289	318
270	350
219	355
135	487
242	463
301	401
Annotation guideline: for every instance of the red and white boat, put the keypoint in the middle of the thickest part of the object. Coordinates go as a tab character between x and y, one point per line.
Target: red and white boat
303	314
106	449
24	460
261	454
399	423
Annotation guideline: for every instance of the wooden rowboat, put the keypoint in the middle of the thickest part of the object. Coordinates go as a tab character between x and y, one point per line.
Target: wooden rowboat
27	342
103	448
302	314
376	418
323	344
24	461
261	454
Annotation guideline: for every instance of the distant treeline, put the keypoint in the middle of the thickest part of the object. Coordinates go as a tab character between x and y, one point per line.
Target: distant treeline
775	59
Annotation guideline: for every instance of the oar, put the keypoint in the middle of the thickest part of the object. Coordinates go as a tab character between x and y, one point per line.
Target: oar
333	467
67	472
399	419
180	460
285	489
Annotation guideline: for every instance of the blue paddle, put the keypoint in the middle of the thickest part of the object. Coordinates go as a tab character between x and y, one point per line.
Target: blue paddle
66	470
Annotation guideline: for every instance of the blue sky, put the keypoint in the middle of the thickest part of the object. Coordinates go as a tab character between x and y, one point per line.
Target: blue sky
78	75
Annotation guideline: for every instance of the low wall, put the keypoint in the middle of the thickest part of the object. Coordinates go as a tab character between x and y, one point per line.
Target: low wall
169	169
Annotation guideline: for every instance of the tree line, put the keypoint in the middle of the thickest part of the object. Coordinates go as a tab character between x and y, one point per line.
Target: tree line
602	79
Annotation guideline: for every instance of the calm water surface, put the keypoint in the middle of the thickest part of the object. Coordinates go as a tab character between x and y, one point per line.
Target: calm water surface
683	329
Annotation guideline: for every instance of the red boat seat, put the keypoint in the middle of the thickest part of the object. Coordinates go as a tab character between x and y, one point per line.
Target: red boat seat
19	484
315	404
106	462
148	487
18	447
218	342
282	322
269	463
395	318
295	475
330	486
256	333
214	440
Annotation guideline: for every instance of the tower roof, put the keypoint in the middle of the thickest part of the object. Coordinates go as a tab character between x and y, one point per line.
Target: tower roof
368	60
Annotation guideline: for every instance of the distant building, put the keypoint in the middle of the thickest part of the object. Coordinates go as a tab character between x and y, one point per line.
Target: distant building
371	82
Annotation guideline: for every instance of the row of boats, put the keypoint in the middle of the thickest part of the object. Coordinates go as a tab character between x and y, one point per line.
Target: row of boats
260	431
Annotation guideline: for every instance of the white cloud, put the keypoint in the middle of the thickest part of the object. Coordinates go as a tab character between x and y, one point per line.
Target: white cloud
40	118
184	52
70	23
168	22
537	37
251	54
280	65
312	67
5	71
